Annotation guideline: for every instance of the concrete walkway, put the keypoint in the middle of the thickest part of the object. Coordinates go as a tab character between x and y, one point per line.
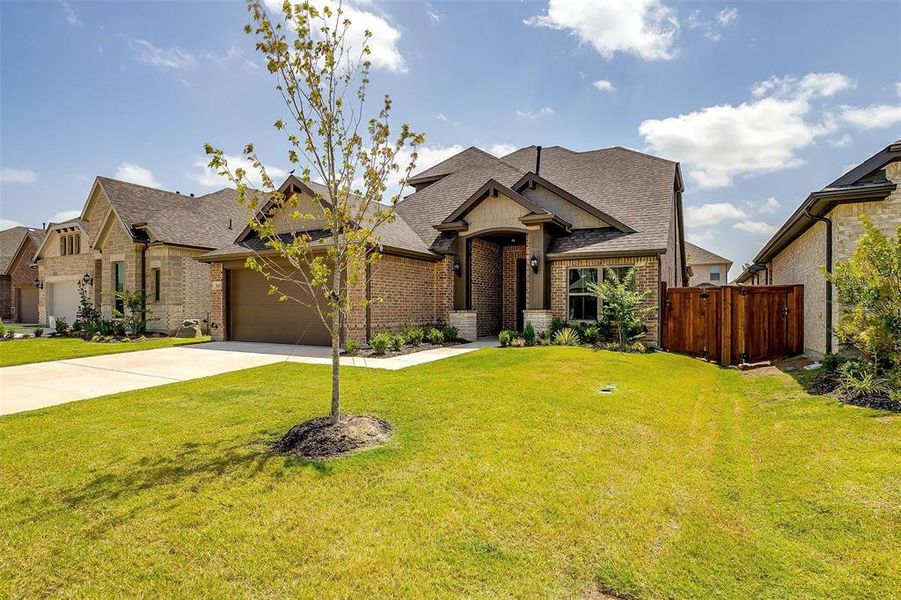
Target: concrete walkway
38	385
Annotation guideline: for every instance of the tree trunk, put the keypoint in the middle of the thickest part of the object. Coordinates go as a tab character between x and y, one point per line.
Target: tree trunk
336	351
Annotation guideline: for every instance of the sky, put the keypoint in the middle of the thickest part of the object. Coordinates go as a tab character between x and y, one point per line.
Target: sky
760	102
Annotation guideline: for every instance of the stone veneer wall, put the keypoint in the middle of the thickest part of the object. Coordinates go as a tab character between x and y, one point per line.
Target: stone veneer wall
646	278
799	262
487	288
217	301
510	256
119	247
184	286
55	268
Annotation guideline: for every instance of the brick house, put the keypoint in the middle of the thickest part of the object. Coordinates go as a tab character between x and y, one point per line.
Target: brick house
706	267
18	292
135	238
824	230
485	243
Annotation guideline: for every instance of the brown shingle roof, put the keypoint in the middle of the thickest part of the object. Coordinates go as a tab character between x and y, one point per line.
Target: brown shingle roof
179	219
11	240
695	255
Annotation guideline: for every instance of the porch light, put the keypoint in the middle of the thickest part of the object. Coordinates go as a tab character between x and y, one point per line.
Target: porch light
38	283
533	262
458	269
87	279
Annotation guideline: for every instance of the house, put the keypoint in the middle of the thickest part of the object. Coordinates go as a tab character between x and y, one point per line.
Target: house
824	230
705	267
18	292
485	243
139	239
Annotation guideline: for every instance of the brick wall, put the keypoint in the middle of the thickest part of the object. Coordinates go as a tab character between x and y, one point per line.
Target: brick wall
22	275
487	289
118	246
403	292
444	289
184	286
6	291
646	278
510	256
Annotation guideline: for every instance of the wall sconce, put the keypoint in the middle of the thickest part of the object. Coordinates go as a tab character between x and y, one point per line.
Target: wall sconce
533	262
458	268
87	279
38	284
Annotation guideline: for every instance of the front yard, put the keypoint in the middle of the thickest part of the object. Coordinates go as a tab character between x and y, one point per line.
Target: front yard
509	474
26	351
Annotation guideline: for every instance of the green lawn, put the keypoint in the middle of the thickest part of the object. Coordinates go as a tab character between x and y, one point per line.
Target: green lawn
509	475
21	352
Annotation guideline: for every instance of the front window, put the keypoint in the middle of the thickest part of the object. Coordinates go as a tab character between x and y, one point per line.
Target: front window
583	305
714	272
119	284
156	285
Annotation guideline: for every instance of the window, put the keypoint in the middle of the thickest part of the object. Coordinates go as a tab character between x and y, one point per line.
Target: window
583	305
156	285
69	244
714	272
119	284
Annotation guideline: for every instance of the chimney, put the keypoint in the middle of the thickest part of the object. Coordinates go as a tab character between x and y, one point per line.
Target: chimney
177	192
537	160
43	226
229	223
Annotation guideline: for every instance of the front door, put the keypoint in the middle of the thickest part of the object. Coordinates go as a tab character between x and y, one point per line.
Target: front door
520	291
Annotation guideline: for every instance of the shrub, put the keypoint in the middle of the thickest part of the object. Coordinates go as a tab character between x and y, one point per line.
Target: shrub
396	342
2	329
544	338
855	385
436	336
831	363
557	324
504	338
638	347
450	333
625	308
62	327
566	337
38	332
351	346
379	343
518	342
590	333
414	336
528	335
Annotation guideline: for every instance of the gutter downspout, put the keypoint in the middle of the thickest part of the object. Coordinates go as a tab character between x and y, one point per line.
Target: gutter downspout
828	223
144	285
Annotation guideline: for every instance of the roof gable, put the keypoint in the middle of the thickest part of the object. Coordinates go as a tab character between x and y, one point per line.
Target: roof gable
702	256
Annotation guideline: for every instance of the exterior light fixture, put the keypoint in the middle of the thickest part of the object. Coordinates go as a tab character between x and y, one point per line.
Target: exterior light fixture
38	284
458	269
533	262
87	279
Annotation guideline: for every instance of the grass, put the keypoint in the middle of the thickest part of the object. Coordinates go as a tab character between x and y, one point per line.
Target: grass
25	351
509	475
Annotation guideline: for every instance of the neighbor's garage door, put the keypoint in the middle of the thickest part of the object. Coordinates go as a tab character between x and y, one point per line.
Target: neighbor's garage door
62	298
255	316
27	304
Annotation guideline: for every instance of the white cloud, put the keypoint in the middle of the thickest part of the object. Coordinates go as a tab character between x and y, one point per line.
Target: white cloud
698	237
898	88
874	116
604	86
211	179
712	214
8	175
727	16
71	17
171	58
429	156
382	44
755	227
770	205
546	111
718	143
9	224
841	141
136	174
434	16
501	149
645	28
65	215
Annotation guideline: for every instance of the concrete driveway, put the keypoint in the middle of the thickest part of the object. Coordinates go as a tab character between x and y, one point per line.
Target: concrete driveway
28	387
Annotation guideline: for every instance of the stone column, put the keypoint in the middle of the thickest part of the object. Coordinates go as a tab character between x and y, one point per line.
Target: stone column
217	302
465	322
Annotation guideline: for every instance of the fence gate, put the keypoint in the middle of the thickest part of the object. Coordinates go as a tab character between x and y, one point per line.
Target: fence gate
731	325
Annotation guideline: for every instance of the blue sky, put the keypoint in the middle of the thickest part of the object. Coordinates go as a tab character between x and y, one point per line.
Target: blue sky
761	102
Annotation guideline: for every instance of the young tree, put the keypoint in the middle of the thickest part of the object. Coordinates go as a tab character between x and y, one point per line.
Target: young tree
623	306
868	288
321	66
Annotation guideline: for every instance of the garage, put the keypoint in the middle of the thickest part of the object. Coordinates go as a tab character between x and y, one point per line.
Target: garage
27	304
255	316
62	300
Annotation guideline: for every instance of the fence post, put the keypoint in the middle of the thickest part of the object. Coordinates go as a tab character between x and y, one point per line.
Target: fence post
726	327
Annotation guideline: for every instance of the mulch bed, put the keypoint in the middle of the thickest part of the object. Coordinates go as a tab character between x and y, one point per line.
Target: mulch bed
319	438
368	353
825	384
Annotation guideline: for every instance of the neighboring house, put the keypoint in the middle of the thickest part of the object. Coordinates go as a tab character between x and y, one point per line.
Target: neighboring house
705	267
825	230
139	239
486	243
18	292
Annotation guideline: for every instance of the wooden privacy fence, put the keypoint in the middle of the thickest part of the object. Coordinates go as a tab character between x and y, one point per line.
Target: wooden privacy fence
735	324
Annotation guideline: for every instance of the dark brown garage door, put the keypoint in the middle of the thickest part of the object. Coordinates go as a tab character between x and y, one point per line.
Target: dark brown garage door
28	304
255	316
